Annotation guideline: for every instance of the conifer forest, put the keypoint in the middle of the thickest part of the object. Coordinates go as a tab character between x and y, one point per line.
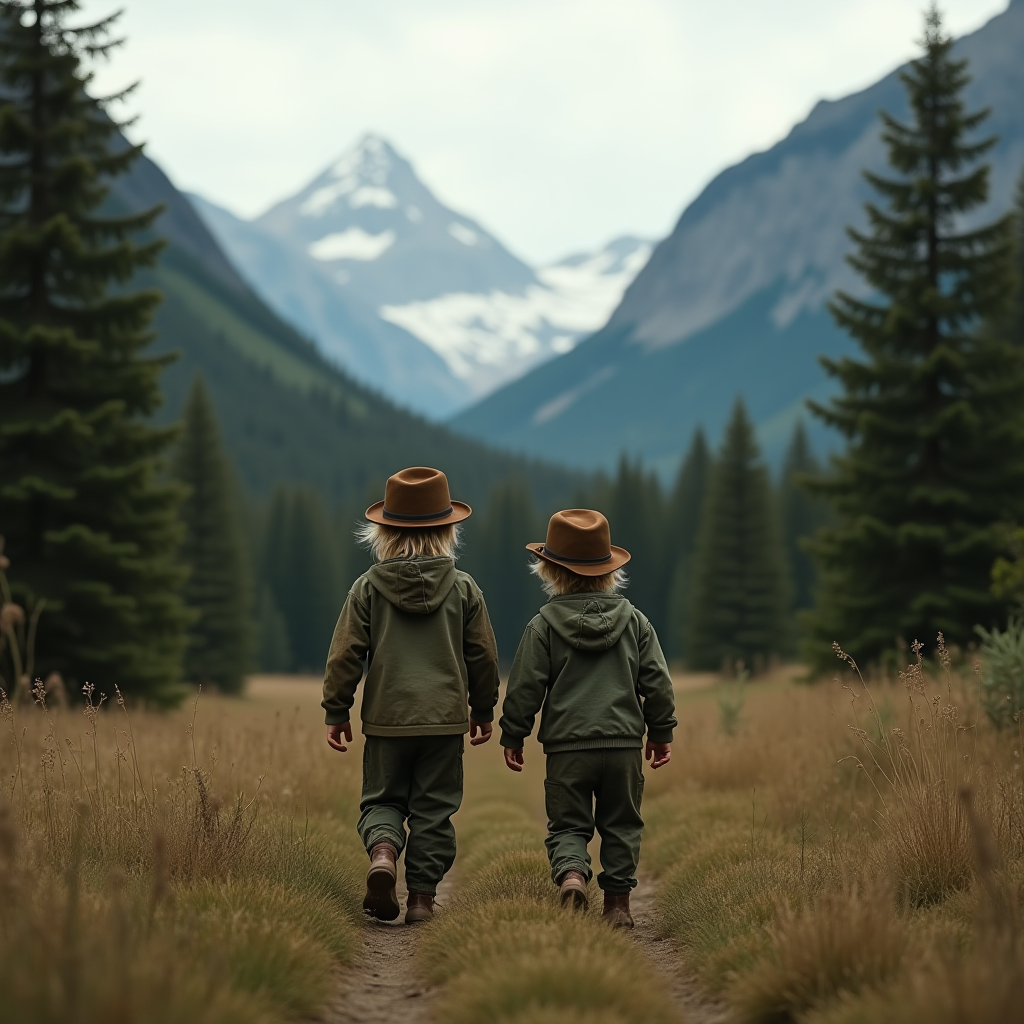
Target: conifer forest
826	571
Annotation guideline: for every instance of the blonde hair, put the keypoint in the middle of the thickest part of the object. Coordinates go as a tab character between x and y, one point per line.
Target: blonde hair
387	542
557	580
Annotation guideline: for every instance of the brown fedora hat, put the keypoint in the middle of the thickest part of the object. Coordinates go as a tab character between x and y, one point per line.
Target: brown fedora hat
418	496
580	540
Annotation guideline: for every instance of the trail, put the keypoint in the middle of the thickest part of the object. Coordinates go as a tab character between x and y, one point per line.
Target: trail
382	986
696	1007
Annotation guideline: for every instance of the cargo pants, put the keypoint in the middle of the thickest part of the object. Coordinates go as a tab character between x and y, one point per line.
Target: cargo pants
602	789
414	779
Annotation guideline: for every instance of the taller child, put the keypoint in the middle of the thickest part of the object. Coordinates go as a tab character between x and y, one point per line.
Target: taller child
593	662
421	626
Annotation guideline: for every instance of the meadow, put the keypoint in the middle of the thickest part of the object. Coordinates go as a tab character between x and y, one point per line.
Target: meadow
827	853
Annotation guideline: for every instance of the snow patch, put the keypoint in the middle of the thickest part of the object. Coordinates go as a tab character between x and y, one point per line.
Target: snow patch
467	236
351	244
550	410
414	213
363	172
373	195
490	338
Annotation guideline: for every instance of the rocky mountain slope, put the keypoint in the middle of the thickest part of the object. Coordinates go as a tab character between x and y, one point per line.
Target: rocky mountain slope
286	413
408	296
733	302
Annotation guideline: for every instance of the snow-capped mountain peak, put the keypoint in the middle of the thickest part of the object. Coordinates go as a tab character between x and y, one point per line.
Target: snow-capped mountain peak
443	294
358	178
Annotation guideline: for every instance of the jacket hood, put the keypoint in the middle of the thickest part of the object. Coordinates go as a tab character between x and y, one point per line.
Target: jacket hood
416	585
588	622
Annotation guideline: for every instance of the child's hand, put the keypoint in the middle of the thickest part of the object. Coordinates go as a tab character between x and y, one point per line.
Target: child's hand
514	758
334	734
658	753
484	728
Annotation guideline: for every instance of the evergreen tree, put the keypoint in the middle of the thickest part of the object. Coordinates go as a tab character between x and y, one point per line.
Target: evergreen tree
89	525
275	584
932	412
740	593
496	556
219	640
635	511
273	652
304	572
682	524
1015	331
802	515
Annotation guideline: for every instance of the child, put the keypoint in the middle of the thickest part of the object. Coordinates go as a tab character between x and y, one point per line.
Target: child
593	662
422	627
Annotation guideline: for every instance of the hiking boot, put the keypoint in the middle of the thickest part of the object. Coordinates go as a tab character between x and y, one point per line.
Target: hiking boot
572	893
616	911
420	908
381	900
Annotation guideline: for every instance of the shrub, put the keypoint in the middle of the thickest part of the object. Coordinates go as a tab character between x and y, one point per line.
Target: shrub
1002	673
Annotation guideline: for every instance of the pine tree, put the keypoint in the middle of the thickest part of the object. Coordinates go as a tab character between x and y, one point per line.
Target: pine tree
682	524
740	593
275	583
1015	331
496	556
273	652
90	527
219	640
802	515
932	411
635	511
304	571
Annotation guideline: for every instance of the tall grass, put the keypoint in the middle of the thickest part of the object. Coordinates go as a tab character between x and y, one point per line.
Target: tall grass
822	864
172	866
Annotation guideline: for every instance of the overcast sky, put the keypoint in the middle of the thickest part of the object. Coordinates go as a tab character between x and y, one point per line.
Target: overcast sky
556	123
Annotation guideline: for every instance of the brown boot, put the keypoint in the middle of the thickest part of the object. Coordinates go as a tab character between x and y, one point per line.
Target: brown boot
616	911
421	908
572	893
381	900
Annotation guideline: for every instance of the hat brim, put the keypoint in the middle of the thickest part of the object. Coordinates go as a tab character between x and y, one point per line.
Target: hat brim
460	510
620	556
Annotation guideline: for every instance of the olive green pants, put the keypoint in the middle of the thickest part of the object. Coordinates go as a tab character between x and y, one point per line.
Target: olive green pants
602	789
414	779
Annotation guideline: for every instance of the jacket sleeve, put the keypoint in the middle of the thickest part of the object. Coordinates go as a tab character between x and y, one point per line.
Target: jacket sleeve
480	651
349	646
527	688
654	684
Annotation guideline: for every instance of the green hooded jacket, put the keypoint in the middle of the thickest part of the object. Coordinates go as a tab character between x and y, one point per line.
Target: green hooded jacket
422	627
593	662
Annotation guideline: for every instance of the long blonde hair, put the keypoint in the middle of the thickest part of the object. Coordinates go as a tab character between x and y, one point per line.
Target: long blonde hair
557	580
387	542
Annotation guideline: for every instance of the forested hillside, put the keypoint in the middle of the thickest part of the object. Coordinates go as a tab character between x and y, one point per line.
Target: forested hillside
287	416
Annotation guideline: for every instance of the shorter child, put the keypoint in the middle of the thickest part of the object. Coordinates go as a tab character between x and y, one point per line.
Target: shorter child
593	662
421	627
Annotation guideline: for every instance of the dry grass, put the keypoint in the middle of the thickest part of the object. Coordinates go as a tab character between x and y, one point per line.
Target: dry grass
503	949
823	863
195	855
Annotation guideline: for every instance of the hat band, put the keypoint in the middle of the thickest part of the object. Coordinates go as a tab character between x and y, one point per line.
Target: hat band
577	561
401	517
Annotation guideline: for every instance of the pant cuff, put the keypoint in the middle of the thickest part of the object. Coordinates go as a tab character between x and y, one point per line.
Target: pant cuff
384	834
427	888
616	888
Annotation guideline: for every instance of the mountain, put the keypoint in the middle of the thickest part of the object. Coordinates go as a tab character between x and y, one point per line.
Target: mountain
287	414
733	301
408	296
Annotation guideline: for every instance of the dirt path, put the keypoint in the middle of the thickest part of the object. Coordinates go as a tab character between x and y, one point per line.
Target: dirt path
696	1007
382	986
